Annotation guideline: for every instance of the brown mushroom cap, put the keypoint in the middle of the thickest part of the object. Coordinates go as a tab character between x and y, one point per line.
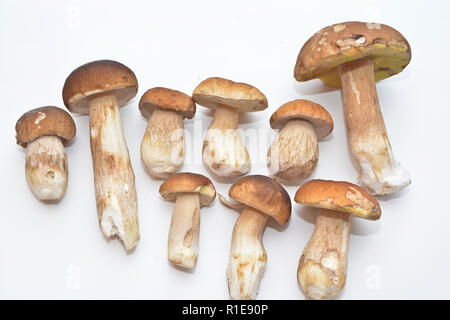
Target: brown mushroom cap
241	96
349	41
339	196
167	99
307	110
95	79
263	194
44	121
188	182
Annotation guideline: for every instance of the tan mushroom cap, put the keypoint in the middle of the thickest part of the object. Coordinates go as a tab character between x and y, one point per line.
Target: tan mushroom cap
241	96
307	110
167	99
263	194
188	182
95	79
349	41
339	196
44	121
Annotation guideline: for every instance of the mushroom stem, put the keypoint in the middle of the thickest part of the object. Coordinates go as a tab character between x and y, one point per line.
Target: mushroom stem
223	150
323	264
248	256
162	148
184	230
113	176
294	153
380	173
46	168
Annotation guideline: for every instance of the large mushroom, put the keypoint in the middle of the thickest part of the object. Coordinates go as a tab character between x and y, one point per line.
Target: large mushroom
355	55
44	132
259	197
190	192
294	153
224	153
162	148
323	265
98	89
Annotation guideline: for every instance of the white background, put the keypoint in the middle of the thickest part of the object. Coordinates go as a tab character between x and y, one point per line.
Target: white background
58	251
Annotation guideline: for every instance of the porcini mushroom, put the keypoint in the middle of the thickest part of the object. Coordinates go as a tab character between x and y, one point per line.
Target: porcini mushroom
355	55
259	197
44	132
224	153
323	265
190	192
294	153
162	148
98	89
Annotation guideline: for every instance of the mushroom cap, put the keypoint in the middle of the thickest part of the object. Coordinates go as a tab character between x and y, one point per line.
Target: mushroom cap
44	121
349	41
240	96
95	79
307	110
339	196
167	99
188	182
263	194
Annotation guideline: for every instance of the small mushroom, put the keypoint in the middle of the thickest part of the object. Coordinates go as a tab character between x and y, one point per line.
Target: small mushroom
294	153
259	197
355	55
224	153
323	265
98	89
162	148
190	192
44	132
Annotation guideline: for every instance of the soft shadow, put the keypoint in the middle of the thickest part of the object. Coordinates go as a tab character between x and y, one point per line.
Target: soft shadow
117	238
312	87
395	195
52	202
182	269
308	214
360	227
219	179
271	223
244	118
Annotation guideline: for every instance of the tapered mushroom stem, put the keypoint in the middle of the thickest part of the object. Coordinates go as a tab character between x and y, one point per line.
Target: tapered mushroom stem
162	148
248	256
380	173
223	150
323	265
184	231
46	168
294	153
113	176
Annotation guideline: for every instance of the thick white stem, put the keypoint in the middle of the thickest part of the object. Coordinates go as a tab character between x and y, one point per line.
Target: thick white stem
162	148
294	153
248	256
113	176
380	173
46	168
184	231
323	265
223	150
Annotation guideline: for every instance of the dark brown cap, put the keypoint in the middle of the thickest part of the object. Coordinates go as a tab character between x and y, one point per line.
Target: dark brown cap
44	121
349	41
240	96
167	99
95	79
263	194
188	182
339	196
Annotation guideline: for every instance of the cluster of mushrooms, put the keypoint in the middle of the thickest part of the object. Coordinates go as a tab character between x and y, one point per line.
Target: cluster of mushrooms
350	55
